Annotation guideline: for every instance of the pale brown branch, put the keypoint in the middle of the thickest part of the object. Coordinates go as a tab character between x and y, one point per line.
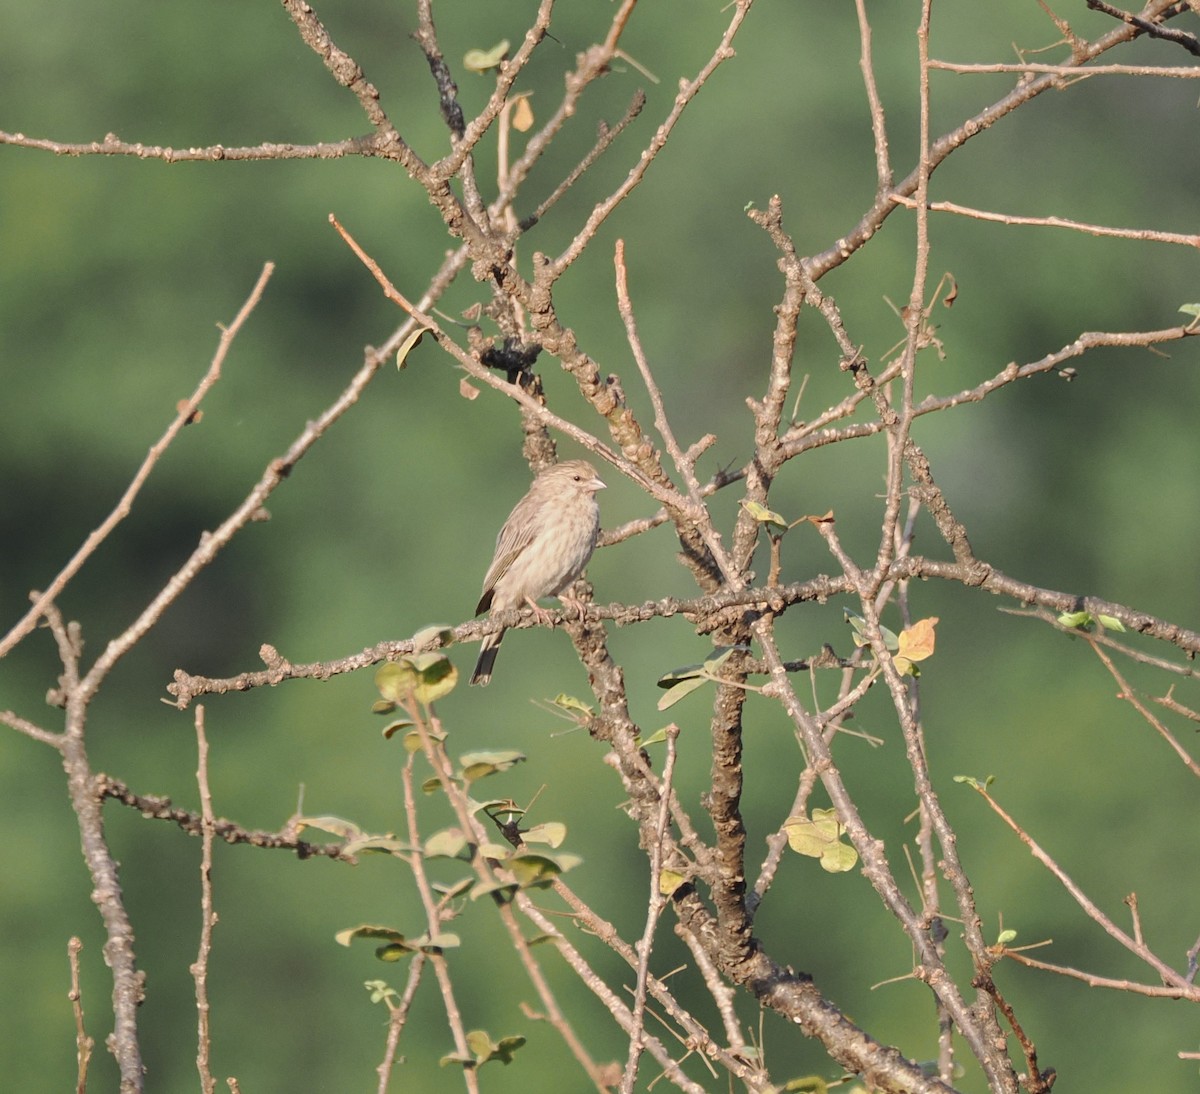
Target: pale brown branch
208	917
83	1043
185	414
663	493
657	902
1169	976
1132	987
30	729
1074	72
435	912
112	145
1149	235
398	1018
687	92
1129	695
683	464
883	164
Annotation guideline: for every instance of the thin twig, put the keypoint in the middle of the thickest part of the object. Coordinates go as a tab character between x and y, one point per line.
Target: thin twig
208	917
685	466
83	1043
654	910
687	92
1132	987
434	912
1150	235
213	153
398	1018
1129	695
1169	976
883	166
185	414
34	732
1181	73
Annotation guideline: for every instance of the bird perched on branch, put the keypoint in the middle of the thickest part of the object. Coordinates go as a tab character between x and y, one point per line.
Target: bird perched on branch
542	548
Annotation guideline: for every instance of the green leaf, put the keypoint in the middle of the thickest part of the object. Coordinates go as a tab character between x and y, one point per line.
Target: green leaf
808	1084
680	691
499	852
412	740
477	765
433	784
533	870
820	838
480	60
501	891
552	833
436	634
720	655
380	991
423	676
687	672
1076	620
890	639
1111	623
1191	309
536	871
335	826
657	737
572	705
392	728
449	843
1005	937
974	783
484	1050
765	516
457	888
384	845
370	930
710	665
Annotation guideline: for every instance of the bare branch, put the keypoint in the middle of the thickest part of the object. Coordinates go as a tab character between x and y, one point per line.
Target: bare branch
186	413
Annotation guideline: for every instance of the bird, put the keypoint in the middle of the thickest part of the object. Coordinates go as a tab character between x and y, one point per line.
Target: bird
542	549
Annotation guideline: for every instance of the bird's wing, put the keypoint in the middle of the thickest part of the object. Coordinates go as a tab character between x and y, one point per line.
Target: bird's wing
518	531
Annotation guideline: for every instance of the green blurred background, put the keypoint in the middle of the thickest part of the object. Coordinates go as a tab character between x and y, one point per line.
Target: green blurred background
113	274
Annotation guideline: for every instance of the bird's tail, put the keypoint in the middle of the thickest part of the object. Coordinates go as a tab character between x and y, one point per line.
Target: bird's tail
487	658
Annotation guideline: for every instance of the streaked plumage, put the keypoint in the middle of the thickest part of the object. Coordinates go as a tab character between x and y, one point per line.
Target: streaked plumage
543	547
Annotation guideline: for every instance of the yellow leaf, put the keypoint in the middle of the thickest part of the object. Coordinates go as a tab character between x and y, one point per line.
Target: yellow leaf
522	117
916	642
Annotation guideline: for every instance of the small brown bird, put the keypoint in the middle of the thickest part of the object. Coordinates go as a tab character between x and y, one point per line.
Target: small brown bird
542	548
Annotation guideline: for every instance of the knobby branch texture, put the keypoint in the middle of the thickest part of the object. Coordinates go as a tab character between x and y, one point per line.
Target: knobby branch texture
843	709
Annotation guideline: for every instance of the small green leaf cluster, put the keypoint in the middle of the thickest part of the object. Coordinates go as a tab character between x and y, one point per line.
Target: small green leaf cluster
683	681
821	838
1086	621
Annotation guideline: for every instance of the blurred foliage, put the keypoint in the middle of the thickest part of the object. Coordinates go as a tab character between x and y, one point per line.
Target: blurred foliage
113	274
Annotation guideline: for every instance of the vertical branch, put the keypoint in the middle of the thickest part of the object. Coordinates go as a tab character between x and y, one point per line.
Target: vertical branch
685	463
653	913
433	916
883	166
83	1043
397	1020
208	917
86	801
